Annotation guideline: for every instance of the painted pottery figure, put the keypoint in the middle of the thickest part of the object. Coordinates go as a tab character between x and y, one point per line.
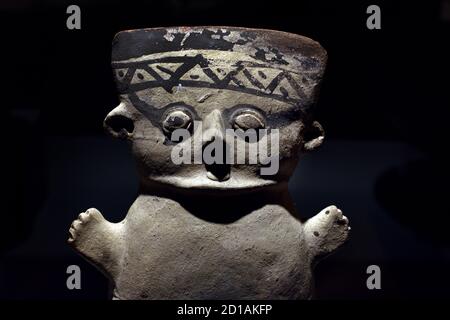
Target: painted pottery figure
218	230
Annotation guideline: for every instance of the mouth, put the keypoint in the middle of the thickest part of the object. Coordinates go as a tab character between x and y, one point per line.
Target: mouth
218	172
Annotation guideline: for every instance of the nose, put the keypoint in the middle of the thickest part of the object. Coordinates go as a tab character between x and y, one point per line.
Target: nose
213	127
214	147
119	122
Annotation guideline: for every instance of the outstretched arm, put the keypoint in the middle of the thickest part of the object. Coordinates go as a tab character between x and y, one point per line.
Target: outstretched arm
97	240
326	231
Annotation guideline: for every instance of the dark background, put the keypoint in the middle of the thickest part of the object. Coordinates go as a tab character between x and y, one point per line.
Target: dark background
384	104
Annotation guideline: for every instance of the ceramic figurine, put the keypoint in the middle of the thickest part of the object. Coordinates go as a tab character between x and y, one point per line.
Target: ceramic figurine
219	230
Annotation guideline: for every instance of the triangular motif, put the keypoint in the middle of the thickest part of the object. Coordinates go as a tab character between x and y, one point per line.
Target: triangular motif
165	70
196	74
141	75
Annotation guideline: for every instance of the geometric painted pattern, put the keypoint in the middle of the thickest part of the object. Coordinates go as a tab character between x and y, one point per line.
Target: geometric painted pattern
171	71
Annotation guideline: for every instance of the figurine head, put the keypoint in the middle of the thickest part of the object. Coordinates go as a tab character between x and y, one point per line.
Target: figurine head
202	83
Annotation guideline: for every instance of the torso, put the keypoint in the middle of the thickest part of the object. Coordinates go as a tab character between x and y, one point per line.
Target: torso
170	253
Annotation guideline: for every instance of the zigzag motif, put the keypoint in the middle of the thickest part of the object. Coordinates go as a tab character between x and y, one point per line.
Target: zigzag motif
197	71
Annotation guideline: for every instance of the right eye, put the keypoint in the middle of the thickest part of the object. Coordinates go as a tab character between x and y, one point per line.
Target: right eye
177	119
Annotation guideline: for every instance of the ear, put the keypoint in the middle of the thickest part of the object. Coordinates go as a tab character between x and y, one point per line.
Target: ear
313	136
119	122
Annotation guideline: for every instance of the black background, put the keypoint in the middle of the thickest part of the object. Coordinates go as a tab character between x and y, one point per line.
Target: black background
384	105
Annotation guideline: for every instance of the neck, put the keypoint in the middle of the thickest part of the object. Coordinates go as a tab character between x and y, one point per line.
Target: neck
223	202
271	194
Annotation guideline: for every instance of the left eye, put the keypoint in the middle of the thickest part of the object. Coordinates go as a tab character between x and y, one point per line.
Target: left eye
248	119
177	119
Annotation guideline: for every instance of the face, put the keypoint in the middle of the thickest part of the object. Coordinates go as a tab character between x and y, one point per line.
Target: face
149	118
210	83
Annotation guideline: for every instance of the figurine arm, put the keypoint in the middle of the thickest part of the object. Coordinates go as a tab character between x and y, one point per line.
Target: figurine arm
326	232
97	240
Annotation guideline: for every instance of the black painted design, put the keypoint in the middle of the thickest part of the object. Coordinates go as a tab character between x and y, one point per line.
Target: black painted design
158	40
261	54
209	78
